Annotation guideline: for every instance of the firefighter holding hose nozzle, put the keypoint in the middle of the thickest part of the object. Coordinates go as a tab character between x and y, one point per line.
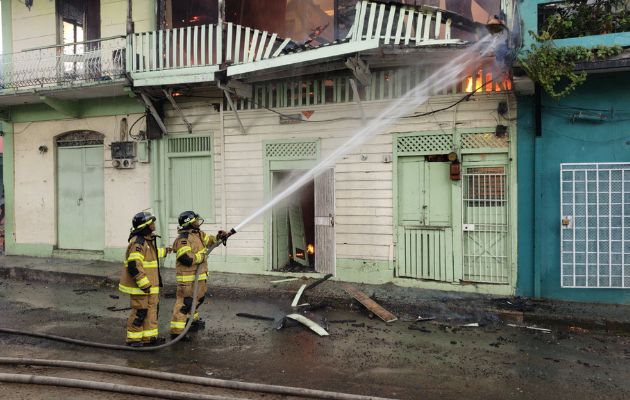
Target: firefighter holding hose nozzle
140	278
190	249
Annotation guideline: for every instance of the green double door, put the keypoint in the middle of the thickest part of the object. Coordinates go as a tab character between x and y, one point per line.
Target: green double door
425	233
80	198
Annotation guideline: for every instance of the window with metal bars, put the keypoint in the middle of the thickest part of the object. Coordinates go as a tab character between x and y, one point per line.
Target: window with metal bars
595	225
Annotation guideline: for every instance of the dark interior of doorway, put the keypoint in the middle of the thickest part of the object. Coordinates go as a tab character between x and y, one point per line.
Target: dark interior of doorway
299	235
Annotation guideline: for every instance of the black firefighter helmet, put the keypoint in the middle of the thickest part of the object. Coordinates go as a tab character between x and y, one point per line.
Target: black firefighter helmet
141	221
187	218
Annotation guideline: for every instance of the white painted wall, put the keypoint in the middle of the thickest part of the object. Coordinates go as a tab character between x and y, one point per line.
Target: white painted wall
114	16
126	191
34	28
364	192
38	27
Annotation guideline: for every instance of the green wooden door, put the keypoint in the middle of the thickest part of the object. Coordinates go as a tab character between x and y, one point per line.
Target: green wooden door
281	247
191	186
80	223
424	234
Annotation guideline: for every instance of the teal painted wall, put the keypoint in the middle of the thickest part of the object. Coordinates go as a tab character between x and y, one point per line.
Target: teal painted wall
539	159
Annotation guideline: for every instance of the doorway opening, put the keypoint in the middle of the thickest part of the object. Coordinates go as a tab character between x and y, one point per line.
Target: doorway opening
293	226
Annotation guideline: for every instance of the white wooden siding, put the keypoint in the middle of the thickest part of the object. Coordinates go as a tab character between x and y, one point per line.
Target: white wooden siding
364	192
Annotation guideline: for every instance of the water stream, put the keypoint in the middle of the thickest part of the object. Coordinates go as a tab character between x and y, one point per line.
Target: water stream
441	78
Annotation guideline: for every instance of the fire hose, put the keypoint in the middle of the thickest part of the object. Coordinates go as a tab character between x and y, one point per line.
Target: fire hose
166	376
128	348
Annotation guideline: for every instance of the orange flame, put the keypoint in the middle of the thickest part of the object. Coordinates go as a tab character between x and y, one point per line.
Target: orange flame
469	84
310	249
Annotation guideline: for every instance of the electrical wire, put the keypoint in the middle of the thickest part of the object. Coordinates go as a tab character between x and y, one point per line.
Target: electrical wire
136	137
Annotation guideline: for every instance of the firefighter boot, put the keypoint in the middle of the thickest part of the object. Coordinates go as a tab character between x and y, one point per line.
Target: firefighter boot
198	325
186	338
155	341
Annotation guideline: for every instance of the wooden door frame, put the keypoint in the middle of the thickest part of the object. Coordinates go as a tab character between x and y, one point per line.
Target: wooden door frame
457	212
276	164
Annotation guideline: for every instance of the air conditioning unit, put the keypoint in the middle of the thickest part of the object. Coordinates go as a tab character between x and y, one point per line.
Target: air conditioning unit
124	155
124	163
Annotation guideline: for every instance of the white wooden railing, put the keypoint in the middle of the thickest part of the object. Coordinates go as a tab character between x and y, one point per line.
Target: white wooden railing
209	45
400	24
193	46
244	44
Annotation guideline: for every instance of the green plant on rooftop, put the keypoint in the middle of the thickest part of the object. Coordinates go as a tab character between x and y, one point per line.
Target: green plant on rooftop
554	67
577	18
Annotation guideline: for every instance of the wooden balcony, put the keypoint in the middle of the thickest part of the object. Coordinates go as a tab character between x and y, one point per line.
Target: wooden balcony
196	54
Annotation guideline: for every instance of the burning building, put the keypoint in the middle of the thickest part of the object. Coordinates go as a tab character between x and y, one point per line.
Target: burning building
241	97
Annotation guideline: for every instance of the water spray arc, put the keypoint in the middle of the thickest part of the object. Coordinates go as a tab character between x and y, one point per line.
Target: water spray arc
397	109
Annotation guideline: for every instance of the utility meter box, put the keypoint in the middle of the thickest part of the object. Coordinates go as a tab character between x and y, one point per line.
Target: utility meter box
124	154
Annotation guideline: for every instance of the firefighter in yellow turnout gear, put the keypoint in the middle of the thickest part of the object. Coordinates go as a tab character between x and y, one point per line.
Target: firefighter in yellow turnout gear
190	248
140	278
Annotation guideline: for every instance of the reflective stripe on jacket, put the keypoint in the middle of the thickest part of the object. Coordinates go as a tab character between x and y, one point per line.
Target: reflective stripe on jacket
140	269
190	246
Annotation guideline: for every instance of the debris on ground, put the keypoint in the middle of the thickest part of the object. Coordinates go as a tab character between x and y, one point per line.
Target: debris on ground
370	304
285	280
308	323
113	296
113	308
312	307
296	299
286	323
319	281
577	329
342	321
471	325
534	328
324	323
361	325
418	328
83	291
254	316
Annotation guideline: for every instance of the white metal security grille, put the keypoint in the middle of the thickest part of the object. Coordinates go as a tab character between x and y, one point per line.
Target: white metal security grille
595	224
486	225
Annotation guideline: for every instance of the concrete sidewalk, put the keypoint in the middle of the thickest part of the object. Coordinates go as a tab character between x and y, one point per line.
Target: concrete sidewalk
404	302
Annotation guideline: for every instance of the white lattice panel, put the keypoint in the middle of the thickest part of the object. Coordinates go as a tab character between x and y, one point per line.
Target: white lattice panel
432	144
483	141
291	150
595	225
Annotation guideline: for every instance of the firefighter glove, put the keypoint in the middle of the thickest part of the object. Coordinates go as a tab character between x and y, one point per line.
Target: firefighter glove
223	237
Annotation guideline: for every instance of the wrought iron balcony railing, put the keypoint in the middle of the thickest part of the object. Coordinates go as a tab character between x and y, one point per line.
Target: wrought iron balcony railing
74	64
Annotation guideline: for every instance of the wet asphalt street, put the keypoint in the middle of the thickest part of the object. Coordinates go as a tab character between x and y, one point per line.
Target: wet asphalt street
436	360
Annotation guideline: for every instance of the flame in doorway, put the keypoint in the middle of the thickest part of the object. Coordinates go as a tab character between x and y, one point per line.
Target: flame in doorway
469	84
310	249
